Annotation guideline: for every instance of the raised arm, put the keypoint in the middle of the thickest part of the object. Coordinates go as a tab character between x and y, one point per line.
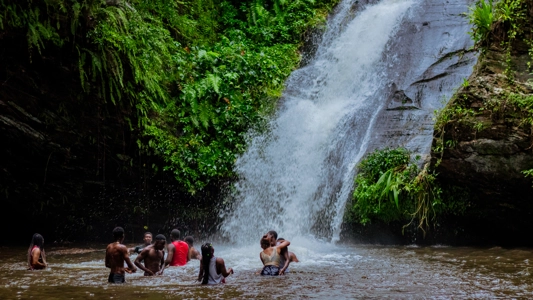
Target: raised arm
221	268
140	258
286	265
283	244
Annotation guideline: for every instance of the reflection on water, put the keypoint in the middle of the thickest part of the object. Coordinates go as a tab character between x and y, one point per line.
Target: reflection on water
325	271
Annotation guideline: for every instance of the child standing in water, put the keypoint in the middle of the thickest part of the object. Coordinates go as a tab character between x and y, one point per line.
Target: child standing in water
36	255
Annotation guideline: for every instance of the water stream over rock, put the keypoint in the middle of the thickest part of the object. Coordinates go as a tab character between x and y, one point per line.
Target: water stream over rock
379	73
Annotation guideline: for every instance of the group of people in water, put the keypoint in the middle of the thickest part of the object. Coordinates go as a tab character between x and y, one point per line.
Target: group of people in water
151	256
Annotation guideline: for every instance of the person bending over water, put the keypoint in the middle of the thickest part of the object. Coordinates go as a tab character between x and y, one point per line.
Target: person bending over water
153	257
147	239
115	256
270	256
36	255
212	269
193	253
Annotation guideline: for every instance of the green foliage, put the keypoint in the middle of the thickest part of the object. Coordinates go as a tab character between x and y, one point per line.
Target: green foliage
528	173
391	187
481	17
190	77
224	99
523	103
502	22
277	21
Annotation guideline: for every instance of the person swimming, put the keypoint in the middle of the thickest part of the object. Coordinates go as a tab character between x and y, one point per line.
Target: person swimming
36	255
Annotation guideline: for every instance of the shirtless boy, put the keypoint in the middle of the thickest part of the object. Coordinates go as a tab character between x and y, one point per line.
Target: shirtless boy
193	253
153	257
115	256
147	239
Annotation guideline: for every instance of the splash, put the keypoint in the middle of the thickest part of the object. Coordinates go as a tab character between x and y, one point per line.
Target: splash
296	179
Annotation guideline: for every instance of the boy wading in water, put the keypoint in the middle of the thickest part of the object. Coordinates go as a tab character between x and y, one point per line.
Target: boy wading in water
193	253
147	239
115	256
153	257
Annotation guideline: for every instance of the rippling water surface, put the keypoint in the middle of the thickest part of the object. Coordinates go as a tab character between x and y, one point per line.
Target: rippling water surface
325	271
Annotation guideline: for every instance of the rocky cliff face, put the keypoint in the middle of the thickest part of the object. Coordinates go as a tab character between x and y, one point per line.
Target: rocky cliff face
487	143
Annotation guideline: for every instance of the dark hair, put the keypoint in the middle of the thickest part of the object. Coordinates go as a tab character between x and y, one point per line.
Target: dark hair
36	240
175	234
280	239
189	240
265	242
118	233
160	237
275	234
207	249
148	232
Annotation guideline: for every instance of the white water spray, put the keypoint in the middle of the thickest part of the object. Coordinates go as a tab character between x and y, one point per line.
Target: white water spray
297	178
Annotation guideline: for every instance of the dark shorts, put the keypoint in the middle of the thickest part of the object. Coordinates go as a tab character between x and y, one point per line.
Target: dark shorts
116	278
270	271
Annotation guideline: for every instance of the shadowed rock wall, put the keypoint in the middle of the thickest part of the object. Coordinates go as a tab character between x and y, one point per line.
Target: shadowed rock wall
488	151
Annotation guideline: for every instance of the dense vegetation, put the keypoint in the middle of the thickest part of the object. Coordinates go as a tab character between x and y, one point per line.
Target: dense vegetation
501	26
196	74
390	186
188	78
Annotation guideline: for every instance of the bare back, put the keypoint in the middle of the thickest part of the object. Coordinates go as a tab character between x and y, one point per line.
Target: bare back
115	256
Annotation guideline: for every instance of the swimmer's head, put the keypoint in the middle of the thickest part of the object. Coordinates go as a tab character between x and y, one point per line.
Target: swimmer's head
189	240
147	238
207	250
175	234
118	233
160	241
273	234
265	243
37	240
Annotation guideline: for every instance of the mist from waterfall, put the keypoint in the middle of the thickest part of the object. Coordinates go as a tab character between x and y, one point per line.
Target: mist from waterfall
297	178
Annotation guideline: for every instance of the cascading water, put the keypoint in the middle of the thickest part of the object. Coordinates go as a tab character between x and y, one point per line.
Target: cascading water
296	179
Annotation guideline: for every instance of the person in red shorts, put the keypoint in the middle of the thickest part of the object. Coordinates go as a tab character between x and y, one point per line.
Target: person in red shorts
178	250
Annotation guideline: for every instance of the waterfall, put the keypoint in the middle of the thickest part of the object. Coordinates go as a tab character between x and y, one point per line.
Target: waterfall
296	178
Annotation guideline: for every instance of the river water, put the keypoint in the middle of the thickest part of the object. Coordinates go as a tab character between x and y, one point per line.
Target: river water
324	271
